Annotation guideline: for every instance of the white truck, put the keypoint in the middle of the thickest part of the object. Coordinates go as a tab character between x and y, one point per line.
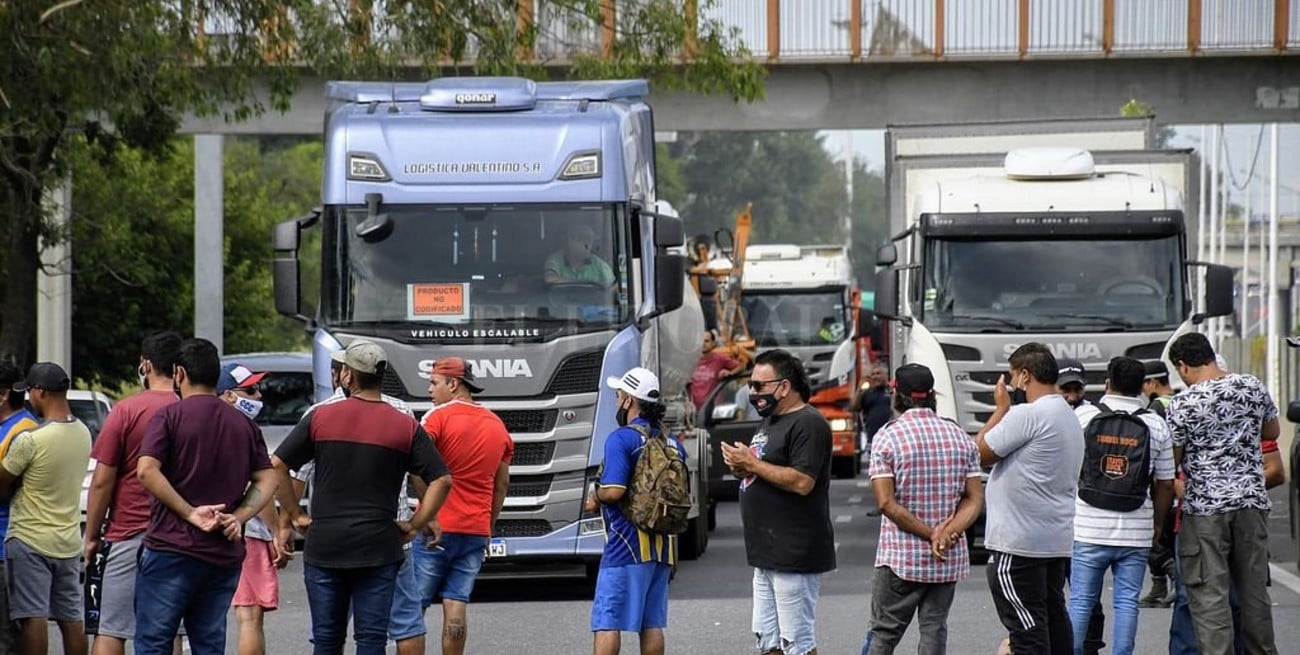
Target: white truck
1069	233
804	299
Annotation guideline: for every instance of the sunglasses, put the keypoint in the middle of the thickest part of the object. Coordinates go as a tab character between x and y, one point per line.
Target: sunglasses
758	385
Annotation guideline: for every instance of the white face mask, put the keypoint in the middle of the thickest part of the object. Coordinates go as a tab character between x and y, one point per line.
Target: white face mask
249	406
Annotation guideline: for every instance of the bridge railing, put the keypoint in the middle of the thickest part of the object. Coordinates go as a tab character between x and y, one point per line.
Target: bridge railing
907	30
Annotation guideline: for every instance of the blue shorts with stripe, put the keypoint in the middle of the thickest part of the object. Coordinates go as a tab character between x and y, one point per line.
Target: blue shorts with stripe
631	598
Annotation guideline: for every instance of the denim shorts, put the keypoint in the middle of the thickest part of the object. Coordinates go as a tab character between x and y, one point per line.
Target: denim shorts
785	605
407	618
447	571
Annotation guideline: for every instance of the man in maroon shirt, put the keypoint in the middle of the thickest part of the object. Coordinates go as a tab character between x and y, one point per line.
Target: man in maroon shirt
115	487
206	466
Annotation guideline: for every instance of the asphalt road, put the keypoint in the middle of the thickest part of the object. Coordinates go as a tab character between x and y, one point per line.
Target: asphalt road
710	601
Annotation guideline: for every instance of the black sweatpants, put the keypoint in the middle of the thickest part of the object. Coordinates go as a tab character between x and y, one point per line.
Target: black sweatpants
1029	594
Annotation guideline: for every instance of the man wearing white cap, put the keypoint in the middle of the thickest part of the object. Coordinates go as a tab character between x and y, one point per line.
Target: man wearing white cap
632	586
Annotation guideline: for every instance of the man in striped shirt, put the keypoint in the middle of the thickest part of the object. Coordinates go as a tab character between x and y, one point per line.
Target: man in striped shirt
1117	540
925	471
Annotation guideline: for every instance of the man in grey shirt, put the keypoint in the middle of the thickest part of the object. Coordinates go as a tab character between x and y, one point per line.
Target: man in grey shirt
1035	450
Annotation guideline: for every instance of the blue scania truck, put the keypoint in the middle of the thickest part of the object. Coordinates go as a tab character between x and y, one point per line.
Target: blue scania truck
514	224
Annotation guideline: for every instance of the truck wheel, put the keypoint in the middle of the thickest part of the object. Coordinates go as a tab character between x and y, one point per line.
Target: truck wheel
691	544
713	515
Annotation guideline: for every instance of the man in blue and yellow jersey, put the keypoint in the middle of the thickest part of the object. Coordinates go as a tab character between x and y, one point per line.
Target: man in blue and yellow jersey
14	419
632	586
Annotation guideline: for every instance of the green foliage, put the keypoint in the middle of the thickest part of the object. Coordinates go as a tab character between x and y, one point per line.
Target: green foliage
72	69
796	187
133	248
1135	108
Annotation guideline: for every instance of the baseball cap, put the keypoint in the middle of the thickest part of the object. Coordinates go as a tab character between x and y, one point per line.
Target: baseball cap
361	356
237	376
455	367
1155	369
46	376
914	381
639	383
1071	370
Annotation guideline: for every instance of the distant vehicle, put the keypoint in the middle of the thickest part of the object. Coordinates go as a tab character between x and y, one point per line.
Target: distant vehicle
287	390
92	408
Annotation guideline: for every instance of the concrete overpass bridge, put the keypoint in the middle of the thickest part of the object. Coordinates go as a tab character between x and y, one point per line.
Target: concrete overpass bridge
863	64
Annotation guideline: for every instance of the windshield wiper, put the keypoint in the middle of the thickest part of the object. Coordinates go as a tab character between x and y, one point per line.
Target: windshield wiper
1111	320
1009	322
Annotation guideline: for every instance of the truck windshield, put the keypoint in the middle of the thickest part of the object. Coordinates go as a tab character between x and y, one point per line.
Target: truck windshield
1063	284
796	319
459	265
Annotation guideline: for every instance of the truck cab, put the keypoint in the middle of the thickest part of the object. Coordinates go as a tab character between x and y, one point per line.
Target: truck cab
512	223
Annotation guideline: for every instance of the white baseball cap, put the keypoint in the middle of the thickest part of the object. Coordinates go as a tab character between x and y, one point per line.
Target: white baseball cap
639	383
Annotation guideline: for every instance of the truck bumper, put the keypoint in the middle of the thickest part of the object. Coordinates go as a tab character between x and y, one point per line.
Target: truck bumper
566	545
844	444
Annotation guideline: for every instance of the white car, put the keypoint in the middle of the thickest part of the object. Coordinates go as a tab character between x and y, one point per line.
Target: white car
92	408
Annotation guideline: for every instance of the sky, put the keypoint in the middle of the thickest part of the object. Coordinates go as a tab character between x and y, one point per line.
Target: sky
1240	140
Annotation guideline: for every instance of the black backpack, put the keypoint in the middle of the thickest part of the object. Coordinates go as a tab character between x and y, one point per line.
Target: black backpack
1116	473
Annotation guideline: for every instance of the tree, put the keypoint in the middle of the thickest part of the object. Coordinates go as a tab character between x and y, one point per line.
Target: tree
870	222
796	189
124	72
133	242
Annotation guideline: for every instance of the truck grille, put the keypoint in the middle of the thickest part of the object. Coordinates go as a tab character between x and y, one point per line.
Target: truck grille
522	528
528	420
522	486
579	373
392	385
534	454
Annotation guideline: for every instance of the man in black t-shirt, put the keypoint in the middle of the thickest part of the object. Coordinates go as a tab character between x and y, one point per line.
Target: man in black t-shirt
362	448
785	504
874	403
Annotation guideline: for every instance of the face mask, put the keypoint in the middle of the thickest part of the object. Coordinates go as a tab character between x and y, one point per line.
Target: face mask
764	403
144	379
250	407
1018	396
620	416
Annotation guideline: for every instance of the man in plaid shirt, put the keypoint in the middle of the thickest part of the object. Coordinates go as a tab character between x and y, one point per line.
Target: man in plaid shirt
925	472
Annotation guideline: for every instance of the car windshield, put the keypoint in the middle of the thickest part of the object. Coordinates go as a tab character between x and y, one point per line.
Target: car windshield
91	413
1101	284
796	319
285	397
486	265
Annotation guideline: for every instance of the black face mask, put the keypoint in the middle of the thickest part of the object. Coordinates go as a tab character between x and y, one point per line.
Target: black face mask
620	416
1018	397
764	403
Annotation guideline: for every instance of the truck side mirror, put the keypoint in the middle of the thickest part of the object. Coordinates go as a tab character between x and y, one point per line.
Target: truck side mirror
669	231
285	281
1219	287
886	304
670	282
886	255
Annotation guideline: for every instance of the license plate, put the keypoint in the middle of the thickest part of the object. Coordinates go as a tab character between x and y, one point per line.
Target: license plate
496	548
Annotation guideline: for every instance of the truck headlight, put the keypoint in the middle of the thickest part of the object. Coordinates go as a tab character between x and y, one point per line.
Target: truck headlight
581	166
841	425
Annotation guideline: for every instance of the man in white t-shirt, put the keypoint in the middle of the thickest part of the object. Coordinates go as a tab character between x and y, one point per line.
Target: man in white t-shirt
1109	532
1035	450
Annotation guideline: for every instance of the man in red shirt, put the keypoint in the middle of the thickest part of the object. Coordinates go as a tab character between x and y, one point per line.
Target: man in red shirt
477	449
713	367
115	487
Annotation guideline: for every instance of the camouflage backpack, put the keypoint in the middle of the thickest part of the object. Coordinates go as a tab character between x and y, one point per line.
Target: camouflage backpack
659	496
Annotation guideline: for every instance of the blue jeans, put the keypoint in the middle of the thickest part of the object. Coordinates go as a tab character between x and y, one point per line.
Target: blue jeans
170	588
368	592
785	605
1088	573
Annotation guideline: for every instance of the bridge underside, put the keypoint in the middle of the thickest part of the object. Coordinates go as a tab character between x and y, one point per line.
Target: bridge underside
1183	90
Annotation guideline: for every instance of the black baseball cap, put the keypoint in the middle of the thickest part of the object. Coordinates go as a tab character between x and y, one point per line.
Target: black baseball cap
1155	369
1071	371
914	381
47	376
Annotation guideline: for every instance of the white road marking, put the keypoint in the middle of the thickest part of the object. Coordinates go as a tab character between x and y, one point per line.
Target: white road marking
853	500
862	484
843	518
1285	578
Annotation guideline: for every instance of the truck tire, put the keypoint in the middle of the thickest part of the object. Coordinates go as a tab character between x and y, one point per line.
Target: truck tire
713	514
692	543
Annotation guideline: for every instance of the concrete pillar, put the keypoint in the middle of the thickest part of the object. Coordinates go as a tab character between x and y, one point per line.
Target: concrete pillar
54	286
209	239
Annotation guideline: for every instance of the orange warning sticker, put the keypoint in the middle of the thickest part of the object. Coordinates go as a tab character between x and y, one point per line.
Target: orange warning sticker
437	301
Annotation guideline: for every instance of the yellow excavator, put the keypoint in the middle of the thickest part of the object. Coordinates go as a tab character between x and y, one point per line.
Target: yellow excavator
717	273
